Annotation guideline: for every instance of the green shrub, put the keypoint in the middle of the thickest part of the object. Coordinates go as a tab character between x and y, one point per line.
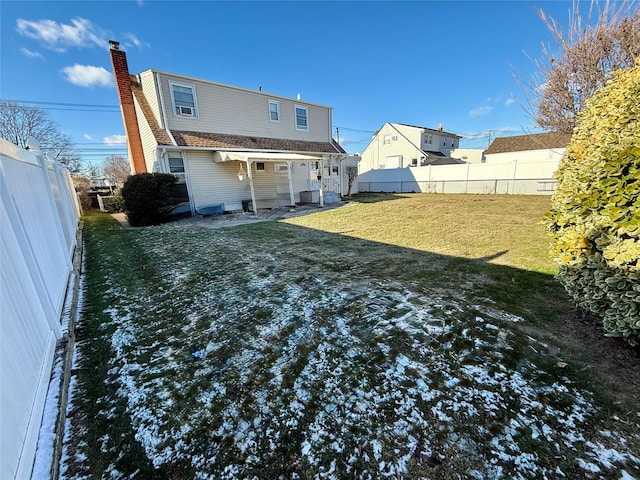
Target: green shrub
595	213
148	198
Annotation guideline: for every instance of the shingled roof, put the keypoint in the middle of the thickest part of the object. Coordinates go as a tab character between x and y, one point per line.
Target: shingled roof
160	134
222	141
534	141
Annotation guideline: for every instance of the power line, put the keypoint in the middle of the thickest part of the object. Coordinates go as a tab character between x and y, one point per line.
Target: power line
37	102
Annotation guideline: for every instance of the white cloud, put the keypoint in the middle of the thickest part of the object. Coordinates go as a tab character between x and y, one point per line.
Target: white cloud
509	102
87	136
480	111
115	140
131	41
81	33
88	76
28	53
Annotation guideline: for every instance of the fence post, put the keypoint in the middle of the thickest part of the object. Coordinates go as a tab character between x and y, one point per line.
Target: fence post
466	185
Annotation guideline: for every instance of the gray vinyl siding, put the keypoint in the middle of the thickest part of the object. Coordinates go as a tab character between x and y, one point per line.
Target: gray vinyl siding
213	183
236	111
149	143
147	82
273	189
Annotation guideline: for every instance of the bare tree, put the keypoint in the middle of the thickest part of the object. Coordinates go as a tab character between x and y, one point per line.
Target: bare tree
117	169
587	52
19	123
352	173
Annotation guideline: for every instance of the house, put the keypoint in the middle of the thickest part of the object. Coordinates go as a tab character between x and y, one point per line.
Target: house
540	147
397	145
227	145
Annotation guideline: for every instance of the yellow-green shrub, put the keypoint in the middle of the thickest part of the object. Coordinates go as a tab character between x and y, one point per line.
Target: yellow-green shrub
595	213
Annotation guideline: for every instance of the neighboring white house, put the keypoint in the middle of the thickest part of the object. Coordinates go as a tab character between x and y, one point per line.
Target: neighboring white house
397	145
540	147
227	145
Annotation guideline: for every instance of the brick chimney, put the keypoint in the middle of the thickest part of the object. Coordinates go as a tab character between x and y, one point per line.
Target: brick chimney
129	118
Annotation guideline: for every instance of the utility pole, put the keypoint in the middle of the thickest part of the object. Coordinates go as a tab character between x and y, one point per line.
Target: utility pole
337	135
489	142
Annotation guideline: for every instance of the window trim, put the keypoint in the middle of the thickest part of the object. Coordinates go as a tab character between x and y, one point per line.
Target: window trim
196	113
263	169
306	116
280	169
181	176
277	104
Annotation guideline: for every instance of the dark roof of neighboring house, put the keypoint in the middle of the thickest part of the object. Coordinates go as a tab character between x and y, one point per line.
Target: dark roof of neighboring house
534	141
443	161
434	154
430	129
222	141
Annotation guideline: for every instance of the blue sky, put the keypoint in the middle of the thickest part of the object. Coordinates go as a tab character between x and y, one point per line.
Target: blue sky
421	62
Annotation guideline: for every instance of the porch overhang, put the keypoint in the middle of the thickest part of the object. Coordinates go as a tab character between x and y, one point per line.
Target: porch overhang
247	156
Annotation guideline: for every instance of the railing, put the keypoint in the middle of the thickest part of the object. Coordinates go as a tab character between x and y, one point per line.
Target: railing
329	184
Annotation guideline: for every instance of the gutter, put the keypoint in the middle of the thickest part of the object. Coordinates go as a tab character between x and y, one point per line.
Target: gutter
216	149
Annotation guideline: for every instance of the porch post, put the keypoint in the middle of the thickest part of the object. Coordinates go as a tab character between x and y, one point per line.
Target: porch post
321	192
291	195
253	192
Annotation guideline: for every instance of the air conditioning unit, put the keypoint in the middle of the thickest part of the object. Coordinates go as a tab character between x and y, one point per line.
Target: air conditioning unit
185	110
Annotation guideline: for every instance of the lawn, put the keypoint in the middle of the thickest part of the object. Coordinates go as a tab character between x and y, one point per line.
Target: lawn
369	341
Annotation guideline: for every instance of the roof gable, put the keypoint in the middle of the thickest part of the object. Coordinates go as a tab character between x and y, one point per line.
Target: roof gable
534	141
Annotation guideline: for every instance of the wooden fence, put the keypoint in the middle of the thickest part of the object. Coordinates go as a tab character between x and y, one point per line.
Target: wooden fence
39	216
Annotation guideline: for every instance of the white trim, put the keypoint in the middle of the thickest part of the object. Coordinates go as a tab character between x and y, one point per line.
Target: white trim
158	84
230	156
295	117
278	170
173	100
277	104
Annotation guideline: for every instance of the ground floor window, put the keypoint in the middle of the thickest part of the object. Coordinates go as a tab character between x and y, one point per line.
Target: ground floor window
176	166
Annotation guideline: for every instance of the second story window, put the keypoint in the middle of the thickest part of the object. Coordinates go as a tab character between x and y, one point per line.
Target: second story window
302	118
274	111
386	140
184	100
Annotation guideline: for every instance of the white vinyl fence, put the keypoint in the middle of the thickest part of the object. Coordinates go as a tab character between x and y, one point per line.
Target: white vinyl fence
514	177
39	216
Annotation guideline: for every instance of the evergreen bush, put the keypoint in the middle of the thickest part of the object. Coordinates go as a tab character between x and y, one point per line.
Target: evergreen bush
595	212
148	198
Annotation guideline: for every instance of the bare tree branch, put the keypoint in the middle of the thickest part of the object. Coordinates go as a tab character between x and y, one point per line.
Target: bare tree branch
586	53
19	123
117	169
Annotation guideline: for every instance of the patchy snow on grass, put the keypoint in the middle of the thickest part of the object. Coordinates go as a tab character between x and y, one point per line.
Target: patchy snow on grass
262	366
